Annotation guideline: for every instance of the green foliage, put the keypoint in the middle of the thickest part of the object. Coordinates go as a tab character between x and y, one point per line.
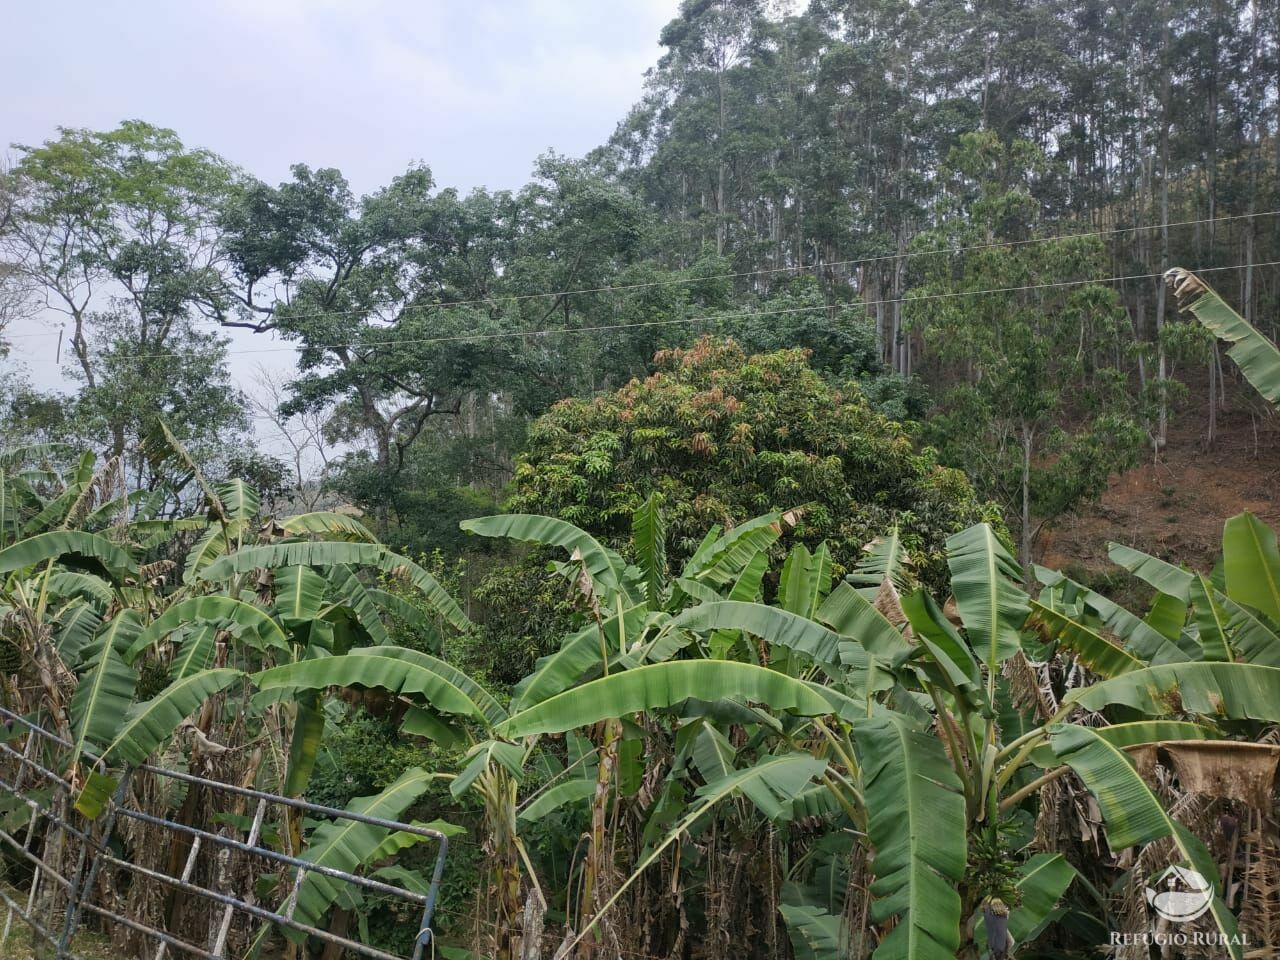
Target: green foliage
767	187
362	754
722	437
521	615
676	699
1044	412
129	213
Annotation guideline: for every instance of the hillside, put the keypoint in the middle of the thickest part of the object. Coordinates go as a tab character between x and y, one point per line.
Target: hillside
1174	507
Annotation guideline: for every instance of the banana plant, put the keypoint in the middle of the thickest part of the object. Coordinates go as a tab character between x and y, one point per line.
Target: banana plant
61	570
890	723
1230	615
906	732
637	613
147	650
1257	357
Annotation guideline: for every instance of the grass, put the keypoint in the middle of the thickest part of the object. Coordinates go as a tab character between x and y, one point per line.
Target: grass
89	946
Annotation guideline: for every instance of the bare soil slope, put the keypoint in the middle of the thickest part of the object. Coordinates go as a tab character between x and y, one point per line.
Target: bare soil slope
1174	506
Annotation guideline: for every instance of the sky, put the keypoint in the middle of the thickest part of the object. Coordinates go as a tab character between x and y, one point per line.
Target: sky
476	89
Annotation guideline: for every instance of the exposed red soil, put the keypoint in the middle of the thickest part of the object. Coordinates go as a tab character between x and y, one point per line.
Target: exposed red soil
1174	507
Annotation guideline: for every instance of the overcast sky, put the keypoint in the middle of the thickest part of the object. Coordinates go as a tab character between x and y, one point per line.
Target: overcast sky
477	89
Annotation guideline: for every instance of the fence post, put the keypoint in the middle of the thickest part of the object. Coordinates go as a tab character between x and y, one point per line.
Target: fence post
425	933
82	883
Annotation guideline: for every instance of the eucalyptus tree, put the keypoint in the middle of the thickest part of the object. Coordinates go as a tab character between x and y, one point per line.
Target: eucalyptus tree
1043	411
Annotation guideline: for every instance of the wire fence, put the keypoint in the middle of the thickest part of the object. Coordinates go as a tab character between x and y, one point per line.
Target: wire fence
140	871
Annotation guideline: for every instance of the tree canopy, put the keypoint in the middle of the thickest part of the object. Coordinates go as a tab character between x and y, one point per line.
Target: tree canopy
721	437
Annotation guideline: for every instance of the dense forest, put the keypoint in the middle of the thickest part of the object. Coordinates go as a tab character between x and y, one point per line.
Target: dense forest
674	520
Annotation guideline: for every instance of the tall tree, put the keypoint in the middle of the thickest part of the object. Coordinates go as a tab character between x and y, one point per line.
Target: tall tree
1039	413
117	231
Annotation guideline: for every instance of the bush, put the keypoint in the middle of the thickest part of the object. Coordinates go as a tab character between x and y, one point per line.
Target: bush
722	437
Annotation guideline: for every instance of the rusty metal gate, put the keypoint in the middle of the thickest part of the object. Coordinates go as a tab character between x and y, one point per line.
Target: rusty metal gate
66	854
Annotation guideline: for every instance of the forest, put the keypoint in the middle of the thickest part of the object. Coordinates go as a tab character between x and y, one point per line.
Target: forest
685	535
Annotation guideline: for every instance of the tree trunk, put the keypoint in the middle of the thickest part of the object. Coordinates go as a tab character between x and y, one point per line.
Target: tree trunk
1024	551
1162	372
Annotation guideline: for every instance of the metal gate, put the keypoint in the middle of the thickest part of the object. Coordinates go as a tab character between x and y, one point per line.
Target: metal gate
67	853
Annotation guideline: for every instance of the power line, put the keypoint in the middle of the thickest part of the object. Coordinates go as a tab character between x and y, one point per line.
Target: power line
768	271
605	328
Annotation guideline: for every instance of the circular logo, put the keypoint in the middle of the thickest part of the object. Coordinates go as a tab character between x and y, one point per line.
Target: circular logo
1180	895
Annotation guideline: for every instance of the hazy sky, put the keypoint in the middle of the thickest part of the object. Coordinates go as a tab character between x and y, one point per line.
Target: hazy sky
475	88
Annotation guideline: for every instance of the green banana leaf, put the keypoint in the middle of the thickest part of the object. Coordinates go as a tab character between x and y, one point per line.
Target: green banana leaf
649	535
1257	357
992	606
328	526
244	619
74	628
397	669
850	614
777	626
150	723
1251	563
75	549
563	794
916	823
1123	735
304	745
328	553
1099	654
347	844
721	561
946	647
1134	816
299	594
240	501
1255	640
602	564
1212	621
64	583
104	692
661	685
805	580
1241	691
1167	616
1161	574
213	543
195	652
354	596
579	652
815	934
1140	638
885	559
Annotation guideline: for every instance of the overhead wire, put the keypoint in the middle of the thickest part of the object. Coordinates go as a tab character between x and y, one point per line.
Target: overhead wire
767	271
793	268
678	321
